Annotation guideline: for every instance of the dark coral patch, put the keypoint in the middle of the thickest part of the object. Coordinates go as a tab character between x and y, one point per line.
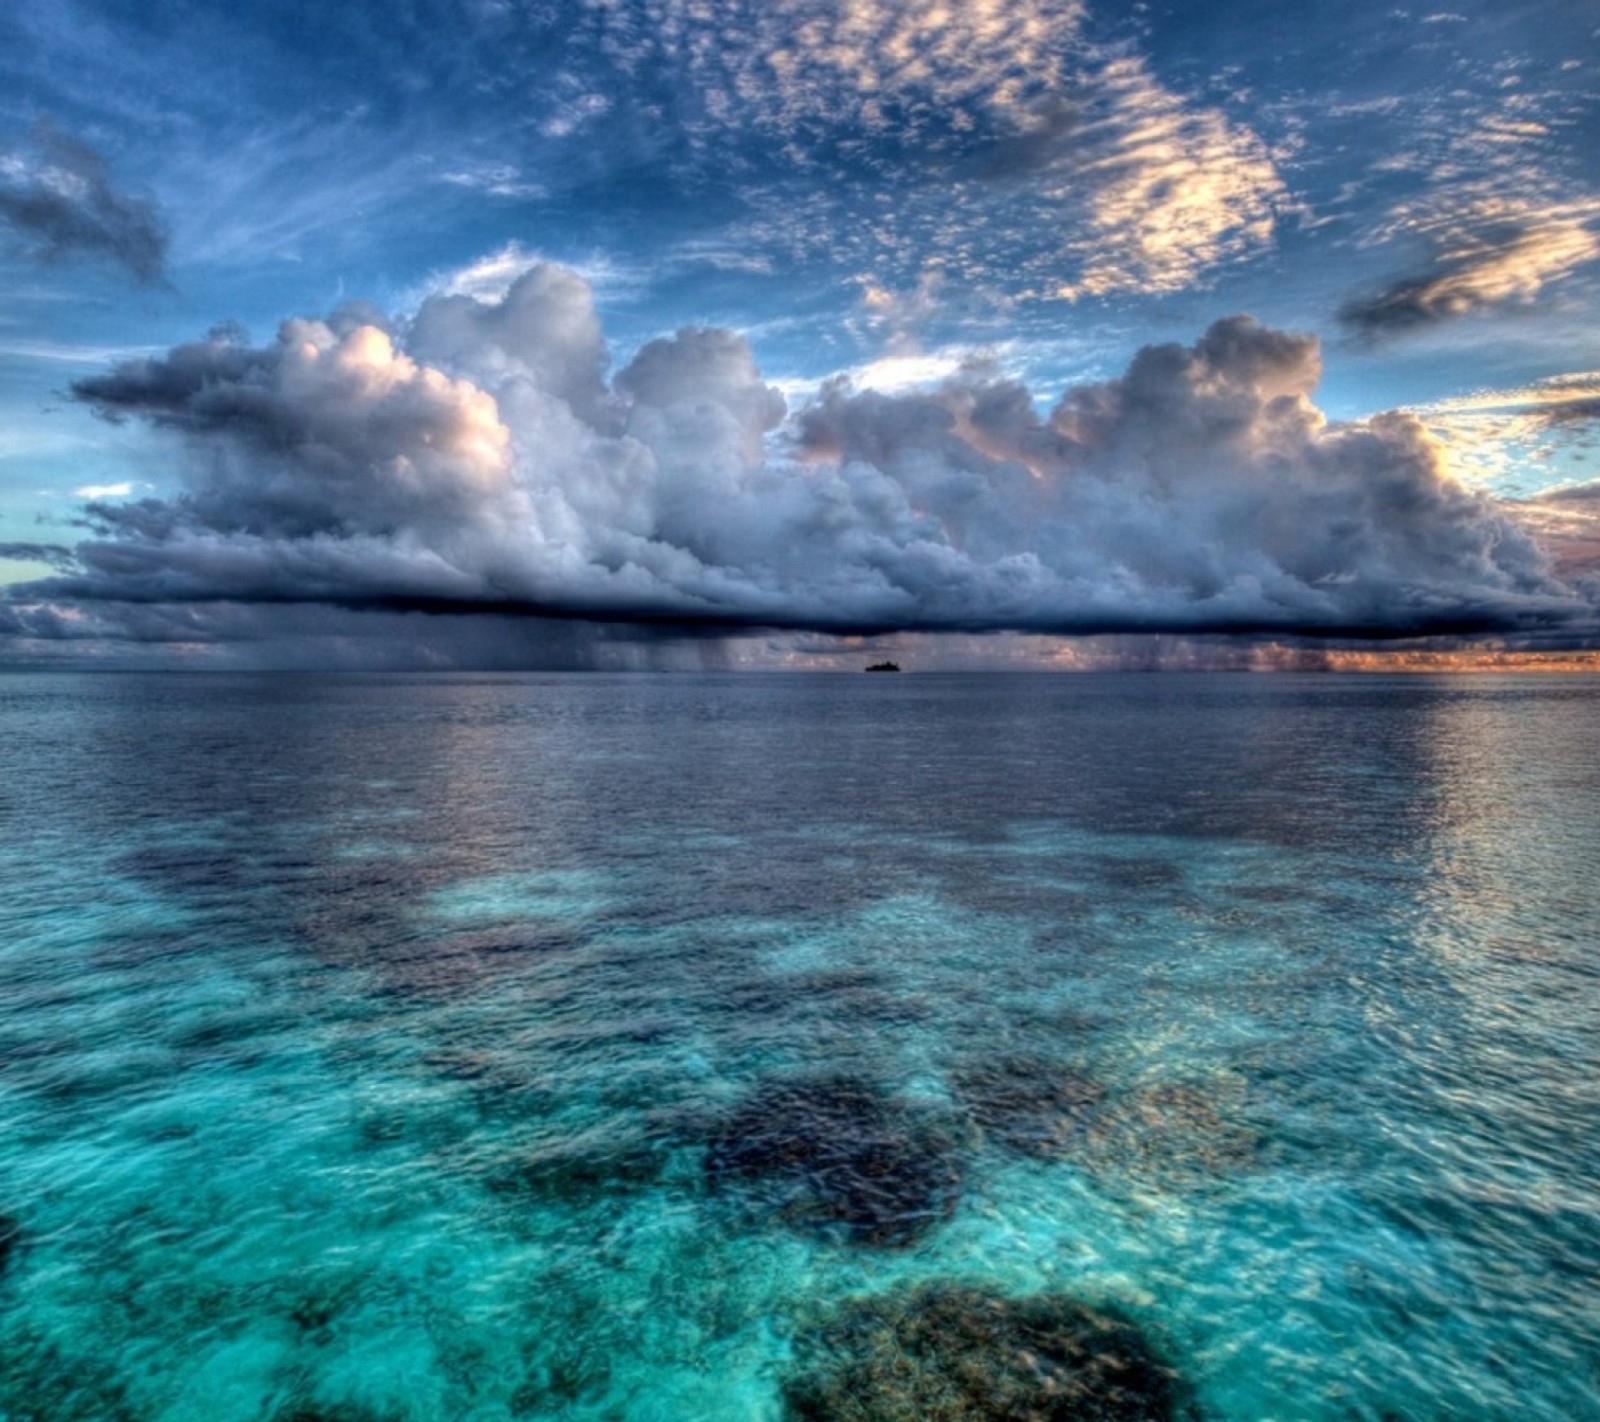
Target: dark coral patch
954	1353
839	1156
1037	1107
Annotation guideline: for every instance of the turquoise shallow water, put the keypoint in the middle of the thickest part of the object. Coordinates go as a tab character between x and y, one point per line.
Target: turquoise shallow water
432	1048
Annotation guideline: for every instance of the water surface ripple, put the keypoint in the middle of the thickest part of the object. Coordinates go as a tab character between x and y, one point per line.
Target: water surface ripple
392	1049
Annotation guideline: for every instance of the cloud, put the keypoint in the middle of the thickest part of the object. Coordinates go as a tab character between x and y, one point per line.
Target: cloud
992	141
543	329
1498	436
477	459
329	432
63	353
490	277
1490	255
1107	181
311	636
1566	521
496	179
57	201
54	555
1169	189
1555	400
795	68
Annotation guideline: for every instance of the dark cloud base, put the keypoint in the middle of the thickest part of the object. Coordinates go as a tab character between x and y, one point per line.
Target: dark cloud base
310	638
1460	623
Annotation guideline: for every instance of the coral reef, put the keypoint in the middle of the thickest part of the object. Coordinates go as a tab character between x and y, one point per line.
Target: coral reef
1036	1107
840	1157
949	1352
1173	1135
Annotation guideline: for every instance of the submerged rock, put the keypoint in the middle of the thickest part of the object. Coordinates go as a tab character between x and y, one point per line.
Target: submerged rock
1037	1107
947	1352
838	1156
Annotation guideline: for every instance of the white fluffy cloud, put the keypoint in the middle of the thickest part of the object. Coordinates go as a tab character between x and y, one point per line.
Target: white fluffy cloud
478	458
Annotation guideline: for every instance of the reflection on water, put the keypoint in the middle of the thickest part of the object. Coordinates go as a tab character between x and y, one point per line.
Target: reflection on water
751	1047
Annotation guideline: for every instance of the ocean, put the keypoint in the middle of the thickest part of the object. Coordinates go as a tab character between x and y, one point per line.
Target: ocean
749	1047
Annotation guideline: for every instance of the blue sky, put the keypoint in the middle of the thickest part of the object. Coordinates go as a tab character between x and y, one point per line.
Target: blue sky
928	199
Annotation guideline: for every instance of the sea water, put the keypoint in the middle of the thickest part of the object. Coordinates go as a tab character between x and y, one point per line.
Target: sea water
364	1040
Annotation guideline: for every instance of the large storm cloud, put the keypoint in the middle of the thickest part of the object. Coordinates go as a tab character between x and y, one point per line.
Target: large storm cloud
478	458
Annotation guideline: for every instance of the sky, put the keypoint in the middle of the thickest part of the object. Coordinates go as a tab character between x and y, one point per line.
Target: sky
656	333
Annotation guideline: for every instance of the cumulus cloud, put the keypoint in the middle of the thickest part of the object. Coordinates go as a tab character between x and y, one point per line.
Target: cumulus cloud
57	200
476	458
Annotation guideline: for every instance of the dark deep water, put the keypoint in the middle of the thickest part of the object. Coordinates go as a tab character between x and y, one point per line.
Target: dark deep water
581	1046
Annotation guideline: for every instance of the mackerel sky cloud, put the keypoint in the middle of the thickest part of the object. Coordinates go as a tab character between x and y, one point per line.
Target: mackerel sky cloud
609	323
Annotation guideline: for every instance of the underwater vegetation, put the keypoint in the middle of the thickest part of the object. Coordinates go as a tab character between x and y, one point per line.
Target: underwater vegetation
951	1352
840	1157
